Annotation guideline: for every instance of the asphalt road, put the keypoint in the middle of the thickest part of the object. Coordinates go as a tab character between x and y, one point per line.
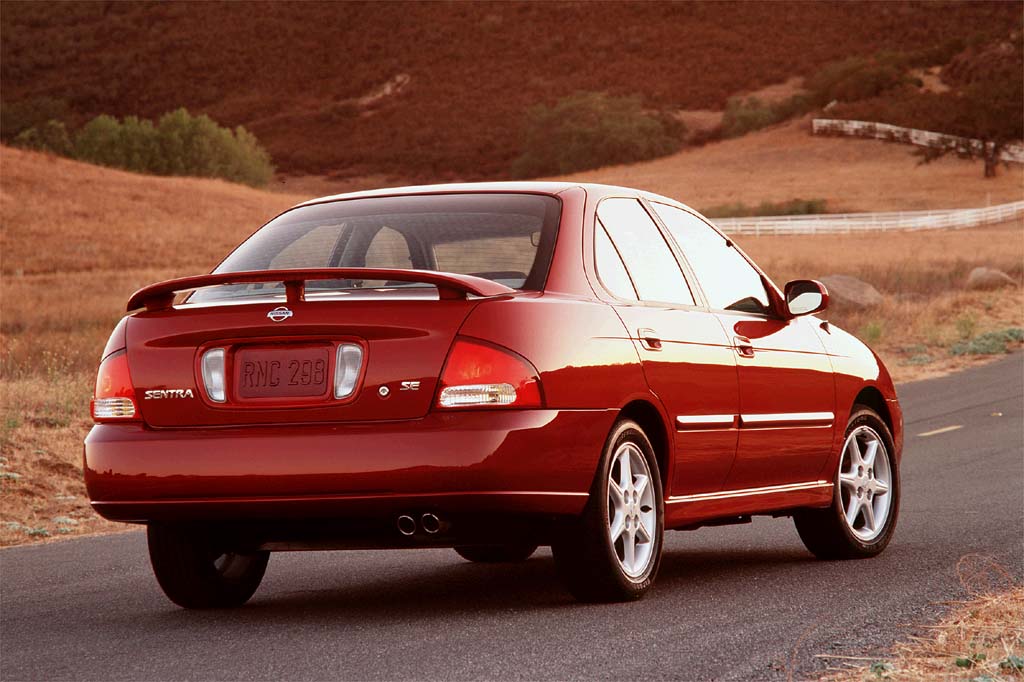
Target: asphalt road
741	602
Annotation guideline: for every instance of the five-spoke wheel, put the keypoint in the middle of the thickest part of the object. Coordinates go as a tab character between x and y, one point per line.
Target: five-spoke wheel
612	552
865	498
864	479
632	512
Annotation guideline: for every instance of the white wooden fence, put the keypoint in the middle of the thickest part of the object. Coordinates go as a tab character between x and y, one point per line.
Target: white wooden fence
865	222
921	138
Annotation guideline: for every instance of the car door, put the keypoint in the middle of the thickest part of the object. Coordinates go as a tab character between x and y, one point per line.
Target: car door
786	384
686	357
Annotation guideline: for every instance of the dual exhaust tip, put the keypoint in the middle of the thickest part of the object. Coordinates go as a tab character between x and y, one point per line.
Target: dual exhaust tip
428	523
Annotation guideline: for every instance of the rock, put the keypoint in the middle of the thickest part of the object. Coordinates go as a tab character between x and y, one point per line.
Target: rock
851	292
988	278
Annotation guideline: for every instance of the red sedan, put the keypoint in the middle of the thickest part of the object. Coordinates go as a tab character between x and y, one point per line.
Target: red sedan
489	367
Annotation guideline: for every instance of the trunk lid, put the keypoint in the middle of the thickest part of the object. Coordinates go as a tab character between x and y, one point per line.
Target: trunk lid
405	337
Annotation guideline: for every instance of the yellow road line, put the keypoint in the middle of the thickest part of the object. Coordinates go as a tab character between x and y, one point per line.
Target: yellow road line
944	429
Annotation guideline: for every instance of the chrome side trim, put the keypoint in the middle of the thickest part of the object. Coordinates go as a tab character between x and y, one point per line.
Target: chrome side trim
174	501
786	419
753	421
698	421
749	492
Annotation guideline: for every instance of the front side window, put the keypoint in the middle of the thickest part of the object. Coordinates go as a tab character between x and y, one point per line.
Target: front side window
728	280
646	254
505	237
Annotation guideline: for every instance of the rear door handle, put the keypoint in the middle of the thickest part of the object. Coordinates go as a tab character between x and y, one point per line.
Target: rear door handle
649	339
743	346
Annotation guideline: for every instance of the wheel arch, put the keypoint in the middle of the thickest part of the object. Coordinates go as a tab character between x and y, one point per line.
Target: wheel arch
650	419
869	396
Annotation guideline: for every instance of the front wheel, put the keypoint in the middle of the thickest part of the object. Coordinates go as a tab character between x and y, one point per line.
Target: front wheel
612	553
865	498
195	572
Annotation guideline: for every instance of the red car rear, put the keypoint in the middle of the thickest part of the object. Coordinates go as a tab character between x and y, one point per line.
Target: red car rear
491	368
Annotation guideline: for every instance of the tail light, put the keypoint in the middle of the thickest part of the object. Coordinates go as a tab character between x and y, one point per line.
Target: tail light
114	399
478	374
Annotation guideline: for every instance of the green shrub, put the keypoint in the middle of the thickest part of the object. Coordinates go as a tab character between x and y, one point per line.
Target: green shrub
99	142
966	325
872	332
178	144
991	343
857	78
745	115
592	129
51	137
742	116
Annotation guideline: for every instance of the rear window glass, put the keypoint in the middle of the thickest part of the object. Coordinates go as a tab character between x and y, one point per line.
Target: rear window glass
506	238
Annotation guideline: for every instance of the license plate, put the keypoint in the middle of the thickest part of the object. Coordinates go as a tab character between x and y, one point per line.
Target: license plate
281	372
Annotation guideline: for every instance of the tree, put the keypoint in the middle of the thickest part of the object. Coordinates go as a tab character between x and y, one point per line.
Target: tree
990	111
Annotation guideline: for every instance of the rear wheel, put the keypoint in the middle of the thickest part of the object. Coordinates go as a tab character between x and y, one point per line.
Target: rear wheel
196	572
496	554
865	499
612	552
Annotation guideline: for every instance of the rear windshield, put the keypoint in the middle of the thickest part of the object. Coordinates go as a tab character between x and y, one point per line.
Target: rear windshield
507	238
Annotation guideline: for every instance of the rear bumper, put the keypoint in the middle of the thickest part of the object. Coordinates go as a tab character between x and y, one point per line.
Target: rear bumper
509	461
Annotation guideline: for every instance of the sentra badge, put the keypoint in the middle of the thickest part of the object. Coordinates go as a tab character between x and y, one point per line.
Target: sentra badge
164	393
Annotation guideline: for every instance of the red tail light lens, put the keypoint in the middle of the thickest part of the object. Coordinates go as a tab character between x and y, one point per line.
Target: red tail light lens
478	374
114	399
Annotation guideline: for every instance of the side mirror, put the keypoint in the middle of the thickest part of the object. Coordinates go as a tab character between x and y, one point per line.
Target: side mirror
806	296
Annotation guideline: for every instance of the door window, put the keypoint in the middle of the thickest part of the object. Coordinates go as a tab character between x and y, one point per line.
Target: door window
644	251
728	280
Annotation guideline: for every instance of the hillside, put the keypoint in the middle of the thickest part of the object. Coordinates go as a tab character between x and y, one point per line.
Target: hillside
435	91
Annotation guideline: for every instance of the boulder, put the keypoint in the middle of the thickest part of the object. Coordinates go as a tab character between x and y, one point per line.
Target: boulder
851	292
988	278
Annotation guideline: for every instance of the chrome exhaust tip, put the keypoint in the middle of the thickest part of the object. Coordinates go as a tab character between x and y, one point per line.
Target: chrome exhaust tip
406	525
430	524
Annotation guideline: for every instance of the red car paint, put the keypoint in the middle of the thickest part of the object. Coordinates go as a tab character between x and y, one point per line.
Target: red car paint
746	411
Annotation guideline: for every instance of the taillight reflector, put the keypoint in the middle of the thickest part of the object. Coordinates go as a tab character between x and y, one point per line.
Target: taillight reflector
346	369
114	397
213	375
478	374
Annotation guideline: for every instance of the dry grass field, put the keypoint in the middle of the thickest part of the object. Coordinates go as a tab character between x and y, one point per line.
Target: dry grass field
78	239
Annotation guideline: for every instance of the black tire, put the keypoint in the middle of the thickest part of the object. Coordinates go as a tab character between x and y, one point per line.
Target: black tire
586	558
825	532
195	573
495	554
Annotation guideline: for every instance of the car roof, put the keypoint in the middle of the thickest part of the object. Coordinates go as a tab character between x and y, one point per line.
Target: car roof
536	186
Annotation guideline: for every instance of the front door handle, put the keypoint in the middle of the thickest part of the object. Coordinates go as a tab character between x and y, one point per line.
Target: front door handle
743	346
649	338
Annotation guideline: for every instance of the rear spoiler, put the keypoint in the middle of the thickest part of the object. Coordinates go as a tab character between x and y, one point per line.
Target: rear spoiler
449	285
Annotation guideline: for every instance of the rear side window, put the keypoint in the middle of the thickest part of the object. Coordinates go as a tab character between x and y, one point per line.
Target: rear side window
609	266
728	280
505	237
651	265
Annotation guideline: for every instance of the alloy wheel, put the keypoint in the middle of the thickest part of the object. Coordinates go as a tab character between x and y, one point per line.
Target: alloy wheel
865	479
632	512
